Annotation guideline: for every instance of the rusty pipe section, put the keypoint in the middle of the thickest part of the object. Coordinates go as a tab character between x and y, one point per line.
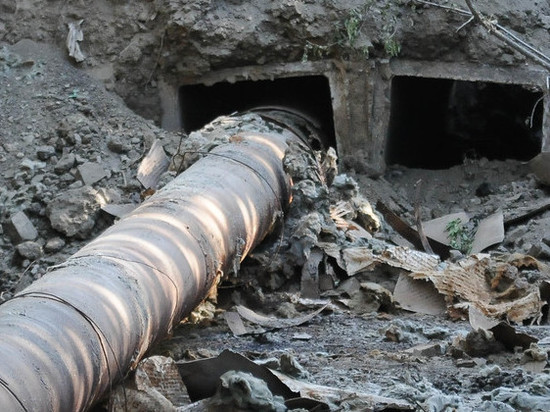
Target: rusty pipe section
66	338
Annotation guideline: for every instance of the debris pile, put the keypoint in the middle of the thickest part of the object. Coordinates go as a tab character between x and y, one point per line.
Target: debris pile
341	249
352	308
69	150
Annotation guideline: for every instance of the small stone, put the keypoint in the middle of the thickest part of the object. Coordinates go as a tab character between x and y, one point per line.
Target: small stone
54	244
540	251
465	363
29	250
535	353
45	152
455	255
64	164
515	235
546	240
74	139
291	367
117	144
20	228
427	350
91	173
36	179
484	189
75	185
66	178
482	343
85	136
31	165
80	160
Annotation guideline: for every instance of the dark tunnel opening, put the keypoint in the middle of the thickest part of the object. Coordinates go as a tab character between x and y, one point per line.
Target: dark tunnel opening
438	123
309	95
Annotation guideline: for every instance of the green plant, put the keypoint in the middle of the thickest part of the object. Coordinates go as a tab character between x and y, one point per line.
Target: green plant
350	40
344	38
315	50
461	236
352	26
392	47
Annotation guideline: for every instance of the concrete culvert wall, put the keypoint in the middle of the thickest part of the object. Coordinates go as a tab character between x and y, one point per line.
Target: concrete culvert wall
309	95
437	123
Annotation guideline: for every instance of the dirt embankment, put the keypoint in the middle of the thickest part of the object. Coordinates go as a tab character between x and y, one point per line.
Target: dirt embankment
133	47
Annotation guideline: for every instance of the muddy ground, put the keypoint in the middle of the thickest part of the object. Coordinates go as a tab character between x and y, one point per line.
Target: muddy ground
69	145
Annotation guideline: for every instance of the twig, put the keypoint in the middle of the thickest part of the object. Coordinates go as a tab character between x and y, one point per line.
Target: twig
508	37
471	19
158	58
418	217
526	213
523	43
537	56
533	111
30	265
454	9
408	233
178	152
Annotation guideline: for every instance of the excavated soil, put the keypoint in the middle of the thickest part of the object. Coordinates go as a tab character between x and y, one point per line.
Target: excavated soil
69	145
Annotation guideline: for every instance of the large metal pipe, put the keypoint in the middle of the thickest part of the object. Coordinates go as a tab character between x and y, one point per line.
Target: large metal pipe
66	338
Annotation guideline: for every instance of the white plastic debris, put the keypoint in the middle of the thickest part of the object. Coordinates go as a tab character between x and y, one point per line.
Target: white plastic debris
73	38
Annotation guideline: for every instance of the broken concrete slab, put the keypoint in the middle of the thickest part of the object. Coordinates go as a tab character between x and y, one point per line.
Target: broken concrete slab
118	210
91	173
19	228
153	166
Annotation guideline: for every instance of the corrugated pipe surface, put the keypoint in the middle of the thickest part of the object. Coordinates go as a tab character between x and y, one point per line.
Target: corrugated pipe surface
66	338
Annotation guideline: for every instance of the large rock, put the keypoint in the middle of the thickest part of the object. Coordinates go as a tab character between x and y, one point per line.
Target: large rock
74	211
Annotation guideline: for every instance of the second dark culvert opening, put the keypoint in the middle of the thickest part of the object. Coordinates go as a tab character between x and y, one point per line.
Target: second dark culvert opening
310	95
437	123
